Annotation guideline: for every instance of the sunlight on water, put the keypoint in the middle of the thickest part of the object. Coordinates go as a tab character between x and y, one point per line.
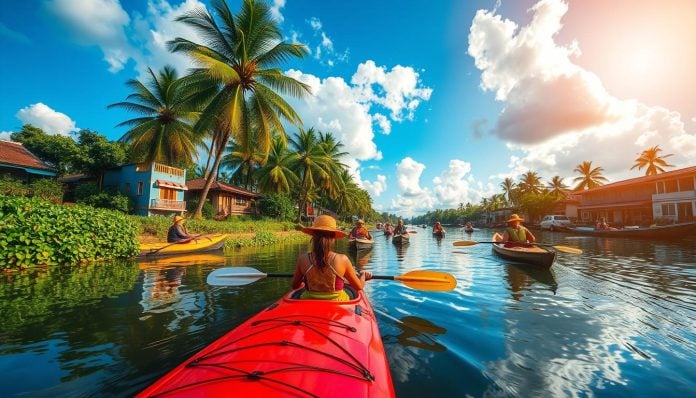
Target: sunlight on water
608	322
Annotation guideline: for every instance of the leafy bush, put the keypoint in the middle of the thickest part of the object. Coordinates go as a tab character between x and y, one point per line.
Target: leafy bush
90	194
208	210
35	232
12	187
47	189
278	206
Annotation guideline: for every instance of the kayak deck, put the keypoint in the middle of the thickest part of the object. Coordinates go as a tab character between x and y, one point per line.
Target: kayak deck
534	255
294	347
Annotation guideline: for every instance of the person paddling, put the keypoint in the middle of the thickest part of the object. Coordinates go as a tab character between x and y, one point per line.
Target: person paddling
359	231
437	228
323	271
515	234
177	232
400	228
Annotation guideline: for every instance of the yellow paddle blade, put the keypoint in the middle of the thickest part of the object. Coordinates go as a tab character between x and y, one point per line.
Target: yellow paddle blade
464	243
433	281
568	249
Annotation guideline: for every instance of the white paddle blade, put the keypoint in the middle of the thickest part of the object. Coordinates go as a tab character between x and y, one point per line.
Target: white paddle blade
234	276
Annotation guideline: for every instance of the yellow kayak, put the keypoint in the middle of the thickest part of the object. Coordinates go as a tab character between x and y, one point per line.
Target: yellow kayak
148	262
198	244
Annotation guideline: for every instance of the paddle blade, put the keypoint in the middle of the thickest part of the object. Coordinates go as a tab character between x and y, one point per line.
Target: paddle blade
568	249
432	281
464	243
234	276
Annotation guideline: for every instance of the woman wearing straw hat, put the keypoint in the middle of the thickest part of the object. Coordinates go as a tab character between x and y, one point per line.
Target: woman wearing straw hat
177	232
515	234
323	271
359	231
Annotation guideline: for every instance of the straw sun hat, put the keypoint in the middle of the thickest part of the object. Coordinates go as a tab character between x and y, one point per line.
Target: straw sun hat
326	225
515	217
177	219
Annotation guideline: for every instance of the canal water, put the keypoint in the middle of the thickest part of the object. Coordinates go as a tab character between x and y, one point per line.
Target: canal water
619	320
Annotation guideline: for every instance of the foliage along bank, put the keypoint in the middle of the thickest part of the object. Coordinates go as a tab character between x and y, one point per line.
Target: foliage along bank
37	233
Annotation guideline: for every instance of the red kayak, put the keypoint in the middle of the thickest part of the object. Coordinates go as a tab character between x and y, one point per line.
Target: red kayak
293	348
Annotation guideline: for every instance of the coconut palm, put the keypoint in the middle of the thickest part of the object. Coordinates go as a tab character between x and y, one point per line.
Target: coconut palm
589	177
276	175
557	187
530	183
310	165
332	148
238	80
508	186
651	159
244	158
163	133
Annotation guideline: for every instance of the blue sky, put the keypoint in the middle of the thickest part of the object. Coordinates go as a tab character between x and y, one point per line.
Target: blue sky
435	101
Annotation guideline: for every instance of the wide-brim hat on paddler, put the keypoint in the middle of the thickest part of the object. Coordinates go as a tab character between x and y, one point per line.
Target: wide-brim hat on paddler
324	225
515	217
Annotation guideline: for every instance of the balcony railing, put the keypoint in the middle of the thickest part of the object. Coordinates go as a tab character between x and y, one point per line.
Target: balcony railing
168	204
160	168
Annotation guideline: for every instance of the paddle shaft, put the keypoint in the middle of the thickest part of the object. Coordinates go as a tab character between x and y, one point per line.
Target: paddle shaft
155	251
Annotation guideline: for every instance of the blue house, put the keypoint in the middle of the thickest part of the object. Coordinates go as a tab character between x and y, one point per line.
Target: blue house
156	189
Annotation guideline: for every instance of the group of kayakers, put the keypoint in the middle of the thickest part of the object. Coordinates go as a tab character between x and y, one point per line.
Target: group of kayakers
323	272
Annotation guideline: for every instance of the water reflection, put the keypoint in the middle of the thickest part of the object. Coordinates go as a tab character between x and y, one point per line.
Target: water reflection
521	277
419	332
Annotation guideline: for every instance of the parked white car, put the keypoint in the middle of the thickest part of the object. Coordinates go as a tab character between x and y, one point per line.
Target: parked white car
553	222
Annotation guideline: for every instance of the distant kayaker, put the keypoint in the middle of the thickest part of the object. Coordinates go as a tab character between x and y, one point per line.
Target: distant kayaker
359	231
516	234
177	232
602	224
323	271
437	228
400	228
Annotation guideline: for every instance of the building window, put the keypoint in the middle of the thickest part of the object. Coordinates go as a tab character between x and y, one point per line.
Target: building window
686	212
140	188
240	201
660	187
168	193
686	184
668	210
670	186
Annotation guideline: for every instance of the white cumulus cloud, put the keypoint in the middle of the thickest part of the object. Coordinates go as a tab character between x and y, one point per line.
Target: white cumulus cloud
558	114
42	116
377	187
275	10
412	198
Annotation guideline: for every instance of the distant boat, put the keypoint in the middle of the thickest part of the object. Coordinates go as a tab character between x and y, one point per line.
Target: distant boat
533	255
360	244
400	240
656	232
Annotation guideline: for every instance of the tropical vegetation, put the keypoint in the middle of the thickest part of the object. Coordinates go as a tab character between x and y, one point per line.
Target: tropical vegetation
652	161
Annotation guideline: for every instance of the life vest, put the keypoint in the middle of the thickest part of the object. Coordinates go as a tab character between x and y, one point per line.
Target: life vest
517	235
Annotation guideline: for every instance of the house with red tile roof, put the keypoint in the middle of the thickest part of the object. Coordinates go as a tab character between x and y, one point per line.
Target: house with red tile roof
17	162
226	199
642	200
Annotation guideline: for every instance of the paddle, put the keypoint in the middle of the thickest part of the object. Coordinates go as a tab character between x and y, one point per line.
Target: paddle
155	251
564	249
433	281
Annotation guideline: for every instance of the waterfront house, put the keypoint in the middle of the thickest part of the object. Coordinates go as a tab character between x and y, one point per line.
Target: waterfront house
226	199
17	162
666	197
156	189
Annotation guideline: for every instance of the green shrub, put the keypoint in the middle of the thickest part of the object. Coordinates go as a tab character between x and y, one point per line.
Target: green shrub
208	210
47	189
90	194
278	206
12	187
35	233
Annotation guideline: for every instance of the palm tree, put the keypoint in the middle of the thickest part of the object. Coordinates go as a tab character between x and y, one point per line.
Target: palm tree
530	182
238	80
334	166
589	177
557	187
508	186
244	158
276	175
652	160
163	133
310	164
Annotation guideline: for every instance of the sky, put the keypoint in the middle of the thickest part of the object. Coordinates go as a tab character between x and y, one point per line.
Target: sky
436	102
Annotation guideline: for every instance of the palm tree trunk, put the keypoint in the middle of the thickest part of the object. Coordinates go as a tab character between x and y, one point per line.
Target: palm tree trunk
198	213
